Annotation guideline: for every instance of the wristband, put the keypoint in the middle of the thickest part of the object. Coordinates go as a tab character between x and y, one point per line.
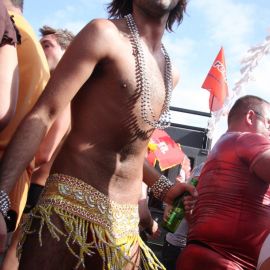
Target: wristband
161	187
4	203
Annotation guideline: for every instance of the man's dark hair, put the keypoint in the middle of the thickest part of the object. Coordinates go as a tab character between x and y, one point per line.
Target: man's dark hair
17	3
120	8
244	104
62	36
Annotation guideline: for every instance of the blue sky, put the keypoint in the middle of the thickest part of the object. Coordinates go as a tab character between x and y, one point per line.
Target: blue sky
237	25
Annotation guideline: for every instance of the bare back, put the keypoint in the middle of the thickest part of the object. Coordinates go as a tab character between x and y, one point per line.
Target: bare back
107	143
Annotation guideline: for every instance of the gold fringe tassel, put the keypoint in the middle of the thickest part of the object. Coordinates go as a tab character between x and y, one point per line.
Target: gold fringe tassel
116	253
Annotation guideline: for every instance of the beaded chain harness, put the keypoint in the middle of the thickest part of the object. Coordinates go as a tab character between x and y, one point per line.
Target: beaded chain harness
143	83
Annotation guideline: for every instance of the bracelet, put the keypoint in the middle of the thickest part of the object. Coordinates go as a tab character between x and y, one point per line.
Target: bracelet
161	187
4	203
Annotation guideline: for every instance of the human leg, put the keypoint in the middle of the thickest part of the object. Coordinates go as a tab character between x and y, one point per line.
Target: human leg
94	229
52	254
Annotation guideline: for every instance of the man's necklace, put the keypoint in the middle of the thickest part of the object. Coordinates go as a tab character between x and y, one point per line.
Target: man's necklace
143	83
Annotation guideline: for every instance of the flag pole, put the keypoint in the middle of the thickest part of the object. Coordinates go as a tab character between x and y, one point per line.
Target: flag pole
212	102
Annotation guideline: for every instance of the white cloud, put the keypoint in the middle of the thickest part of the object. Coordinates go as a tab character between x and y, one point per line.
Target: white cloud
227	19
74	26
184	56
179	47
75	16
234	24
261	79
226	22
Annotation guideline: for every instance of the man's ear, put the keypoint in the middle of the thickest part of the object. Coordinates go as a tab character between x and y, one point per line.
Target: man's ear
249	117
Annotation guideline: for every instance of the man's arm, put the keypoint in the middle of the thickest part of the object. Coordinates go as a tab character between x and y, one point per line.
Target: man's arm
254	150
89	47
54	137
146	220
261	166
9	79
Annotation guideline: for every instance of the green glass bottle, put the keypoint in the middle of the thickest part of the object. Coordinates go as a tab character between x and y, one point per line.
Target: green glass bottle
178	211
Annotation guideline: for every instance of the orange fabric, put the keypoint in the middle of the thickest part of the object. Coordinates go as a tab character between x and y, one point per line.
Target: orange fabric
34	74
216	82
232	214
18	195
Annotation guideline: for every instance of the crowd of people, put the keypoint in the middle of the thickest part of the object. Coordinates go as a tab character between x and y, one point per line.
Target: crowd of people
76	115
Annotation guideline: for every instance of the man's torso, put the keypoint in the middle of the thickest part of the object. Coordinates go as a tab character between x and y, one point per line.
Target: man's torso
108	140
233	202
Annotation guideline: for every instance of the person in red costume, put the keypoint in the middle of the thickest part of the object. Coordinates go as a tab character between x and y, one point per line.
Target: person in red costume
231	219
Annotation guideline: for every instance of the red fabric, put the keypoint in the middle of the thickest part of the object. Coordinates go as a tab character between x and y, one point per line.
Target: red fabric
232	214
195	257
167	152
151	158
216	83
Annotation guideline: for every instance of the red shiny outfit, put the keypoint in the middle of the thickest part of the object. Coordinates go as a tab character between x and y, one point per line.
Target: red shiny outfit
232	215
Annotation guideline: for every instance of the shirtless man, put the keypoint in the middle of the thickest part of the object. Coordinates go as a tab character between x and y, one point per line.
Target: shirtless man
114	74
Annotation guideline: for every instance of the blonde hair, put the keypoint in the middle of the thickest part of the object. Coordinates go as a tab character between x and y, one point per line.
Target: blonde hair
63	36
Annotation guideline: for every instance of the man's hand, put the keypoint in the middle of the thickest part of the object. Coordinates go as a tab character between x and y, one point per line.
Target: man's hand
155	231
167	211
3	233
189	204
177	190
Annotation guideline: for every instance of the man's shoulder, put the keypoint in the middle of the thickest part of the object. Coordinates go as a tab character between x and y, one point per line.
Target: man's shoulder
251	140
102	27
250	144
102	36
242	136
251	136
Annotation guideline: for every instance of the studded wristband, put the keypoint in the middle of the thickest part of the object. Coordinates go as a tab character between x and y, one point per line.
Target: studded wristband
161	187
4	203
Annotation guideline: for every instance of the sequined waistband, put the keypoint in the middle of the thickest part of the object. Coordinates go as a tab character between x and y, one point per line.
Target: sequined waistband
75	196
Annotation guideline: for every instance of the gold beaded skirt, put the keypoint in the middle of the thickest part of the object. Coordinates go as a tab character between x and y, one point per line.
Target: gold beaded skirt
84	210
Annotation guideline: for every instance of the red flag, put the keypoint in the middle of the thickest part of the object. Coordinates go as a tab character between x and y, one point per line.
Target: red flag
165	150
216	82
151	158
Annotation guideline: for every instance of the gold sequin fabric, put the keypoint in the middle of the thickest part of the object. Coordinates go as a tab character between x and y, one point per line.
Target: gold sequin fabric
83	210
81	199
